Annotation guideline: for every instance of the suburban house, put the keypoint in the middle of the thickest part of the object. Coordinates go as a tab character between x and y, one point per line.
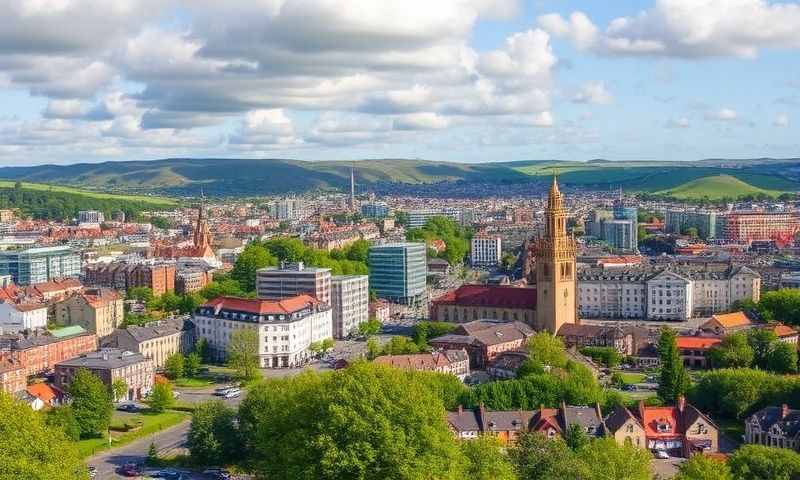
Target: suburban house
111	364
48	394
680	430
774	427
454	362
693	350
625	427
155	340
484	340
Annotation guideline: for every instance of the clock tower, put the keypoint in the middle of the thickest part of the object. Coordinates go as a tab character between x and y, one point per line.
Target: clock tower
556	278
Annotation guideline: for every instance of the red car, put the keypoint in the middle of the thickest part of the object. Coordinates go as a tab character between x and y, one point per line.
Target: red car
130	470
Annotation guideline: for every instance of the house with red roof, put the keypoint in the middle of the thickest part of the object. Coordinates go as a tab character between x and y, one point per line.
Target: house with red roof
680	430
485	302
693	350
50	395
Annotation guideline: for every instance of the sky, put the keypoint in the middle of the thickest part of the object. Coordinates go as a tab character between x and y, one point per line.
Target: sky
456	80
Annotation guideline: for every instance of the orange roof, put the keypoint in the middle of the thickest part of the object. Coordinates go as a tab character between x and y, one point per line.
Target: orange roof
782	330
262	307
43	391
415	361
652	417
696	343
731	320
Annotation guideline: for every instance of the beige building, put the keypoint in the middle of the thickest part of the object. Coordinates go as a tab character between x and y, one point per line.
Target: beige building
157	341
111	364
625	428
556	284
99	310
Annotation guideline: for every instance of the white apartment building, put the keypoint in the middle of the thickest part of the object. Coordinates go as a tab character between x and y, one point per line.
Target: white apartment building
15	317
486	250
665	294
350	302
294	279
418	218
285	328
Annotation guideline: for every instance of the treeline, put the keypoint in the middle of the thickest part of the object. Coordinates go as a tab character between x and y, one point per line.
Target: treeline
455	237
715	202
55	205
778	305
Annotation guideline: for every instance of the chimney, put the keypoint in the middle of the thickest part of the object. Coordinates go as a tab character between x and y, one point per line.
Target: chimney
681	403
460	409
784	411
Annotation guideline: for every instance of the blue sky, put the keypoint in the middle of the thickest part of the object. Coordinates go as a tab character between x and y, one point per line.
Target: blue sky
460	80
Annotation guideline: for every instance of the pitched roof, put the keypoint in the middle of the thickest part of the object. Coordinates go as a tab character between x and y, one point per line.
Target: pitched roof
262	307
782	330
423	361
588	418
732	320
617	418
44	391
652	417
492	296
481	420
697	343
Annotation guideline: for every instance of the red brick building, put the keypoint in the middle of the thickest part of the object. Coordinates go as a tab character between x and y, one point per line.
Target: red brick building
38	354
123	276
484	340
748	226
485	302
12	376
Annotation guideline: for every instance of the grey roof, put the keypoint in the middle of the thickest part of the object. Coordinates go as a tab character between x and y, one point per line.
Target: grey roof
107	358
587	418
643	273
486	421
131	337
617	418
456	355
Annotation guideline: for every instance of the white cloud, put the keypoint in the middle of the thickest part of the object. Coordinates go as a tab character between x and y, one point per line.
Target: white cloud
687	28
681	122
781	120
71	108
266	128
421	121
723	115
593	92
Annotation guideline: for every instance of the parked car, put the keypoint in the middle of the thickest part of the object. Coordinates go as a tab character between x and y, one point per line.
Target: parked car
232	393
629	388
130	470
220	391
217	473
168	474
661	454
128	407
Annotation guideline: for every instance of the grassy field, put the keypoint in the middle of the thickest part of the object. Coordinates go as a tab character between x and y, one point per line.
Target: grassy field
716	187
151	423
631	377
192	382
155	200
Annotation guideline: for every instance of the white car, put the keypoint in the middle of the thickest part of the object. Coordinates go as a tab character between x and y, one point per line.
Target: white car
661	454
232	393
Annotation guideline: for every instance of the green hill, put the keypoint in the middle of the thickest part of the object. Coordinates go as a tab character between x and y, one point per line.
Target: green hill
254	177
717	187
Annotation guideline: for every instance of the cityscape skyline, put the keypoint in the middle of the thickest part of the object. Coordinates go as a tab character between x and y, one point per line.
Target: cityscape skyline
465	81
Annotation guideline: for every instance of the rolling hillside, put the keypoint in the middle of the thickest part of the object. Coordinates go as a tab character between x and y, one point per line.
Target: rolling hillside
252	177
717	187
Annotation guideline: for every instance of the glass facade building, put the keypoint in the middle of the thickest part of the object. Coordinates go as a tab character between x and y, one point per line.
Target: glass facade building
397	271
38	265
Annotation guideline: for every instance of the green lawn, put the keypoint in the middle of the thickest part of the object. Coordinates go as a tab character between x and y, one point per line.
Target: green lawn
156	200
151	423
631	377
192	382
716	187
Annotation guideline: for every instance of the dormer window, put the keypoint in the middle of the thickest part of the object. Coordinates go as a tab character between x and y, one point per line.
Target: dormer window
663	427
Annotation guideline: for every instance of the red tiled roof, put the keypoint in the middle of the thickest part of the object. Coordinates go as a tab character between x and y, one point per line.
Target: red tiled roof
262	307
43	391
417	361
731	320
495	296
782	330
653	416
697	342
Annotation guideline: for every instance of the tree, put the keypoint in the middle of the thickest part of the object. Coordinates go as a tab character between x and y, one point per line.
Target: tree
34	449
168	302
253	257
733	351
326	345
761	340
782	305
373	348
91	403
536	457
576	437
757	462
674	379
201	349
782	358
174	366
701	467
547	349
423	331
604	459
212	435
190	302
508	261
161	397
485	460
370	327
242	353
63	418
191	365
142	294
366	422
119	389
152	454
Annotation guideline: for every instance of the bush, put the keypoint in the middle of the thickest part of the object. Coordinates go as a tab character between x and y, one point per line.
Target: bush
608	356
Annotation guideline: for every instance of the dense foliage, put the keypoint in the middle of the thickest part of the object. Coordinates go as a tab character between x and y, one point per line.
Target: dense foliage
735	393
91	403
779	305
701	467
756	462
674	380
759	348
455	237
242	353
212	438
161	397
34	449
608	356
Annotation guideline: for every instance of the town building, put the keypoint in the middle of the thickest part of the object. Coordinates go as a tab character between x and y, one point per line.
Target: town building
419	217
487	302
624	339
484	340
293	279
726	323
110	364
12	375
98	310
39	352
454	362
397	271
506	364
374	209
286	328
694	350
556	273
745	227
189	280
486	250
155	340
680	430
39	264
350	303
124	276
19	317
54	289
658	293
380	310
90	216
708	223
774	427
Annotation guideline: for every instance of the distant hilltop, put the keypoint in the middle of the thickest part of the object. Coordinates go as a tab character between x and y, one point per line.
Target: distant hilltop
715	178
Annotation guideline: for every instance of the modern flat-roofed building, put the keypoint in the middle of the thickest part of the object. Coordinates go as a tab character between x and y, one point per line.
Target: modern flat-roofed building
397	271
39	264
418	218
90	216
350	302
374	209
294	279
285	328
486	250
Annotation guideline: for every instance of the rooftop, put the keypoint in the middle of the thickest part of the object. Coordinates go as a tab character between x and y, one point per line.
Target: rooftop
260	306
107	358
493	296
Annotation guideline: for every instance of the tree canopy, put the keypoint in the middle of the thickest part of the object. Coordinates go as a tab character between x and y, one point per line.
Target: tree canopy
674	379
455	237
91	403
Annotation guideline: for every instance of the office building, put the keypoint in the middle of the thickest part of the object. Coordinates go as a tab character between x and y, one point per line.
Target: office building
418	218
374	210
709	224
397	271
292	279
620	234
90	216
486	250
285	328
39	264
350	303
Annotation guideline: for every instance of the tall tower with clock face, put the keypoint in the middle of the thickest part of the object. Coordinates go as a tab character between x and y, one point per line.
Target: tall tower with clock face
556	278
